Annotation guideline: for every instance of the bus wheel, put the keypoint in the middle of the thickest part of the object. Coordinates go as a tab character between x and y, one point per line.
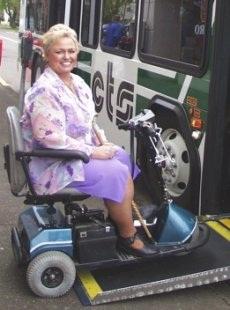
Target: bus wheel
51	274
181	177
38	68
176	174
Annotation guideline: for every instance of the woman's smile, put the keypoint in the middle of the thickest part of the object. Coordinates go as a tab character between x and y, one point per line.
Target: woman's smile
62	56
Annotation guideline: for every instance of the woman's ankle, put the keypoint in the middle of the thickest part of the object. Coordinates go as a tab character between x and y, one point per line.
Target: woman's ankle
137	244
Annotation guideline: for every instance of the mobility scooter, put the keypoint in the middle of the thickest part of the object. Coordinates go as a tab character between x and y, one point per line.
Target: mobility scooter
53	243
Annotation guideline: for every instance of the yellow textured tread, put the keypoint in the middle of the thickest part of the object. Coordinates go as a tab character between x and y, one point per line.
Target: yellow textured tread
226	222
89	282
224	232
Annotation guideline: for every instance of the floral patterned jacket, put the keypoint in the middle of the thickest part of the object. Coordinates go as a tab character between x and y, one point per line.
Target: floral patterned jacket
54	117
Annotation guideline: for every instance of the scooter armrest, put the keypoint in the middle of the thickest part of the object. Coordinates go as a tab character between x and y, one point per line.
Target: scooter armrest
55	153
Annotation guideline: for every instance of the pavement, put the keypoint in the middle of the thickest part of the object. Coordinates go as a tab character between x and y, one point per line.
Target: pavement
15	294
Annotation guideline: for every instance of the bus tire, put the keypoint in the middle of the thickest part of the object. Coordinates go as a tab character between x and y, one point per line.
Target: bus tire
37	69
184	185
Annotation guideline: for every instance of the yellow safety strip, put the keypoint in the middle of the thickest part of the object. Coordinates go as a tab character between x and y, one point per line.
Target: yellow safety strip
90	284
226	222
224	232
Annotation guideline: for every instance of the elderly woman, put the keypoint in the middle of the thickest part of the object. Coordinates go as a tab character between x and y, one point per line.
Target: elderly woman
58	114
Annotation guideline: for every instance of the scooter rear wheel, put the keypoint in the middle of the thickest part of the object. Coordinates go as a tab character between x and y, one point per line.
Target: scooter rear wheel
51	274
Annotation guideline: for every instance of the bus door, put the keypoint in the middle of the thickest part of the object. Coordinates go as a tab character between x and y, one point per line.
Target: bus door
216	172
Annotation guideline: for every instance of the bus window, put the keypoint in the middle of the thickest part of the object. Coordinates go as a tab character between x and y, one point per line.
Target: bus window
29	16
57	11
90	23
174	30
37	15
75	15
118	26
41	14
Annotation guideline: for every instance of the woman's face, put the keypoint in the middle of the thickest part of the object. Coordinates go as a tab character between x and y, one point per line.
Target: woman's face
62	56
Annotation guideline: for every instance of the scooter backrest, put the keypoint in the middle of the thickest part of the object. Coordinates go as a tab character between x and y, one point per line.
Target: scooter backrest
16	173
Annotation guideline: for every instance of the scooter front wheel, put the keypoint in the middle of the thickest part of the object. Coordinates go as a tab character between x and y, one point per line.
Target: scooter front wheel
51	274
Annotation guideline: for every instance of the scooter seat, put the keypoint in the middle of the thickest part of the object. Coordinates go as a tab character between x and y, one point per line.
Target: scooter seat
17	165
71	192
64	195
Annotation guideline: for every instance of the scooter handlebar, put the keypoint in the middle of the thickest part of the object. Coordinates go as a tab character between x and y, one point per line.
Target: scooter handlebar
145	116
125	126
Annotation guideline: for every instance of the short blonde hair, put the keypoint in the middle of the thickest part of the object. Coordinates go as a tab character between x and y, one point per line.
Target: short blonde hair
56	32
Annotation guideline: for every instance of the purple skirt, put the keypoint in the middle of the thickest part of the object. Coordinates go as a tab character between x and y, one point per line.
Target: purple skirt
107	178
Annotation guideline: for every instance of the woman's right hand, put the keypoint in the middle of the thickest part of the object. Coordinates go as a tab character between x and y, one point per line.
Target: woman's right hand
104	151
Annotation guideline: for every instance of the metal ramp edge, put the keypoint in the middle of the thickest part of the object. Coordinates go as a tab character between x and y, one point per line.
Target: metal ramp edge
206	265
163	286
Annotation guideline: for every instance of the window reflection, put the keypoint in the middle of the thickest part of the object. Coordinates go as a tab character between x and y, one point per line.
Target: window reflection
118	24
37	15
75	15
43	13
174	29
90	23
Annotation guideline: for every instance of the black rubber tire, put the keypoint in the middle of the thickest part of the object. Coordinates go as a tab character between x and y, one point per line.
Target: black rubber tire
51	274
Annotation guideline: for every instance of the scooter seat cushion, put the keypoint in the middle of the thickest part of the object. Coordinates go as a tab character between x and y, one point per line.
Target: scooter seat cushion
67	194
70	191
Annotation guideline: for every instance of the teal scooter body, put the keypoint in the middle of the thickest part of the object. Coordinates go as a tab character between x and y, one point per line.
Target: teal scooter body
175	225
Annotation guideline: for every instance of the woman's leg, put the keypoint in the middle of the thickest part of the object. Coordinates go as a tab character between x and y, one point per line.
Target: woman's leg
125	159
111	180
121	214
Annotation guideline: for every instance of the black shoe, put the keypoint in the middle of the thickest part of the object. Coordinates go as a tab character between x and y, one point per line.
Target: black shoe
124	245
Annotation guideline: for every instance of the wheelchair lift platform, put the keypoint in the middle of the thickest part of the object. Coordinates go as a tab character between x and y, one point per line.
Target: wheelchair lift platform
206	265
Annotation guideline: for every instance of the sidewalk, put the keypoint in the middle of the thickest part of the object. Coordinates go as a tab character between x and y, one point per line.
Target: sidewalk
6	26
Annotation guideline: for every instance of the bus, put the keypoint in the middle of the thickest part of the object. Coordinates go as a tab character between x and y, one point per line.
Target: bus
170	56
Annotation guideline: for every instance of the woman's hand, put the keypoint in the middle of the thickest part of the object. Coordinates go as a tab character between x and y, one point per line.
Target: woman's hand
106	151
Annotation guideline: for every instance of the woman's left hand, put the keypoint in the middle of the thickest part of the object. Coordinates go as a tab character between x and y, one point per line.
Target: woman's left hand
104	151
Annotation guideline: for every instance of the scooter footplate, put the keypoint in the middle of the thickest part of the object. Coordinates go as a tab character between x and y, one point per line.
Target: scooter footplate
125	257
207	264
